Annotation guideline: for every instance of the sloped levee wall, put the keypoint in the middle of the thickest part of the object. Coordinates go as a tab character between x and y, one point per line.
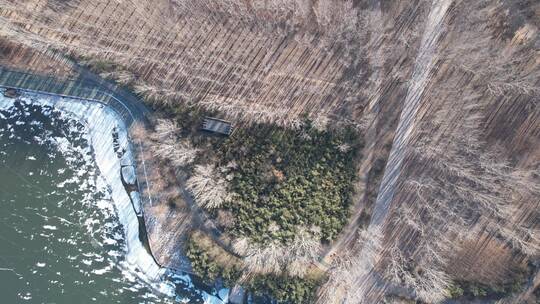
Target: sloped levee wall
107	120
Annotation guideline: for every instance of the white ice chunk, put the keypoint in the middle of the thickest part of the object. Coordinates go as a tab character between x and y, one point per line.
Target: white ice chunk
136	200
128	173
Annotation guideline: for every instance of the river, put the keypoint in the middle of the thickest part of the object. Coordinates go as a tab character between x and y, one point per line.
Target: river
65	236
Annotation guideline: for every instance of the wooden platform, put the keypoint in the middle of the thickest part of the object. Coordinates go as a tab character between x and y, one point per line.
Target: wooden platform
217	126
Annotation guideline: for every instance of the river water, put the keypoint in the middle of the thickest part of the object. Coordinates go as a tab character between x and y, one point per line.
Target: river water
61	238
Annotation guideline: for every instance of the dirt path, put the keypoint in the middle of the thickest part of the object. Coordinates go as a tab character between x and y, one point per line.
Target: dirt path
424	64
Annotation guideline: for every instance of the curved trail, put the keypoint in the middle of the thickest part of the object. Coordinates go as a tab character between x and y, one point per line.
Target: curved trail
86	85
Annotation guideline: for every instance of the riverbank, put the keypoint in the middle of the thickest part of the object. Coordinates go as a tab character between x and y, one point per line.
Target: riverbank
114	157
163	243
162	217
113	162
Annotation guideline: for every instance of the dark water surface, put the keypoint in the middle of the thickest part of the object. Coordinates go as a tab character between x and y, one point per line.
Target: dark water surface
60	240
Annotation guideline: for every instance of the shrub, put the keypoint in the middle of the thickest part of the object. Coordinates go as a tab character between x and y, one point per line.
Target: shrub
477	290
481	290
206	266
285	289
455	291
210	263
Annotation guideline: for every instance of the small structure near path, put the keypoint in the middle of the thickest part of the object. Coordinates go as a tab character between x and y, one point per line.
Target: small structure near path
216	125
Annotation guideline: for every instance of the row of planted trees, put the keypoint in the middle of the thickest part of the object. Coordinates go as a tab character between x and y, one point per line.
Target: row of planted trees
233	56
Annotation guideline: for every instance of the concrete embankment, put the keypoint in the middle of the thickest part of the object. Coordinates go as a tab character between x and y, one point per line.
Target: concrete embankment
107	119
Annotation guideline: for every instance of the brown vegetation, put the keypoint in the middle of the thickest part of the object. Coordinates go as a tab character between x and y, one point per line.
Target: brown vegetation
208	187
468	185
168	218
232	56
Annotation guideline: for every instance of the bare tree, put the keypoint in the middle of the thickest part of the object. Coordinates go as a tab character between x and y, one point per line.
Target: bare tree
138	131
295	256
425	277
208	187
225	218
168	146
241	246
265	258
179	153
524	238
164	129
348	267
302	252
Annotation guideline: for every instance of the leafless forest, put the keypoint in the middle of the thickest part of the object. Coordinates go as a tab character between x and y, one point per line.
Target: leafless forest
447	93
